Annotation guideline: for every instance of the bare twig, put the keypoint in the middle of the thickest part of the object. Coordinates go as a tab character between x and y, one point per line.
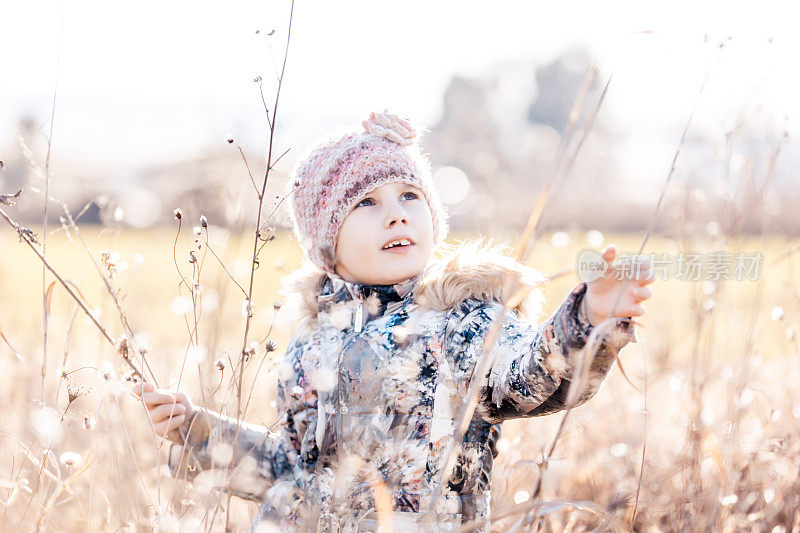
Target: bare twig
45	303
29	238
222	263
247	166
277	159
260	82
5	339
126	327
8	199
269	217
254	259
555	170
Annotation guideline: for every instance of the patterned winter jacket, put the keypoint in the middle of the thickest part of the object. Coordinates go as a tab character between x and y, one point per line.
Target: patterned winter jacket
373	383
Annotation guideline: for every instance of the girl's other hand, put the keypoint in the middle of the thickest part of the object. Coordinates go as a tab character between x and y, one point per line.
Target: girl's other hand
169	412
629	278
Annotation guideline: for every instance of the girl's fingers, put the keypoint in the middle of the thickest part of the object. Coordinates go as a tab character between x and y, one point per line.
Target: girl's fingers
164	427
635	310
638	274
140	388
641	293
609	253
182	398
158	397
648	279
157	414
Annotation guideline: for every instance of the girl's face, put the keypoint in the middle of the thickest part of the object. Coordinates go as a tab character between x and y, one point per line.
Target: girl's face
387	237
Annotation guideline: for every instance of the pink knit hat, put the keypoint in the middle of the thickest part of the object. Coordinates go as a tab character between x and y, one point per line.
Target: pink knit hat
337	174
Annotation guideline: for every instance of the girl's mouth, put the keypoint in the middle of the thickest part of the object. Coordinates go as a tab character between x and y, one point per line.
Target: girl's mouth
398	249
398	246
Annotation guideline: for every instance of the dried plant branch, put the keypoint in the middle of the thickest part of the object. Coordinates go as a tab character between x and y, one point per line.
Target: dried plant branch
247	166
269	348
260	83
61	486
129	336
222	264
584	361
254	259
264	225
27	236
277	160
45	303
644	448
485	360
9	199
651	225
8	343
540	509
555	171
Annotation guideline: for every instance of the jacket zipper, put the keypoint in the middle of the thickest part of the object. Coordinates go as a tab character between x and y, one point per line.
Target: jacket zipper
358	318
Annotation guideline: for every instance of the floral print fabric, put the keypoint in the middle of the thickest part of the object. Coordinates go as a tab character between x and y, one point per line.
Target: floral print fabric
370	391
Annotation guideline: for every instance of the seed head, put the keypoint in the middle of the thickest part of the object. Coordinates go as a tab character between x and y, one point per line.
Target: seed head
27	234
229	140
250	351
276	304
192	257
178	214
271	346
70	459
203	221
8	199
106	372
75	391
122	347
220	363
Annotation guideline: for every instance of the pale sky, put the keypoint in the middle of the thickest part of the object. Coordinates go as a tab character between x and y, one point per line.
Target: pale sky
156	81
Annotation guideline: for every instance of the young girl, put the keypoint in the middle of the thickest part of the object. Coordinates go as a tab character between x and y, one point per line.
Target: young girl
388	340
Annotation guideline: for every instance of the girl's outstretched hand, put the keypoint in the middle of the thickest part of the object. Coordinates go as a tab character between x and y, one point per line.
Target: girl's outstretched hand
170	412
629	278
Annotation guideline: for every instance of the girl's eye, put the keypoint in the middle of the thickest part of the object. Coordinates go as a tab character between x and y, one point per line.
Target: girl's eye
365	202
410	195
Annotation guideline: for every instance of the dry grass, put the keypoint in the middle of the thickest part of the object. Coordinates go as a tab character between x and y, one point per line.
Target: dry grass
703	435
722	424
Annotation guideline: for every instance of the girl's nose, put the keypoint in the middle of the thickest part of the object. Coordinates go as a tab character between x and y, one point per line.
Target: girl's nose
395	215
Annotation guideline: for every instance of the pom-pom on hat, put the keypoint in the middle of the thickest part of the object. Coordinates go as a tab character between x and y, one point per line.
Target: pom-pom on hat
335	175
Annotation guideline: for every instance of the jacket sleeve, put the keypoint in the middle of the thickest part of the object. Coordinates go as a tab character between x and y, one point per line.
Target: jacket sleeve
532	367
264	458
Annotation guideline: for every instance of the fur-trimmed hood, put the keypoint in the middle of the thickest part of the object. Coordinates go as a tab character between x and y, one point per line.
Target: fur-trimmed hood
476	269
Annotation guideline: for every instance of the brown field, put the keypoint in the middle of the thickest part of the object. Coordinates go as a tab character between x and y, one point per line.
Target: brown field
715	370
